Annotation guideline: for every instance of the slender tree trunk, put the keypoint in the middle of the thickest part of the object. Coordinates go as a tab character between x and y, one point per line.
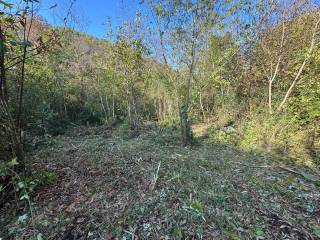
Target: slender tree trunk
202	108
129	108
26	34
297	77
185	124
19	147
3	83
113	106
108	107
21	90
270	85
102	105
272	79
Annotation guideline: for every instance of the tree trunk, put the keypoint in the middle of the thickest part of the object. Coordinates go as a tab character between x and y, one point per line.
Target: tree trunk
202	108
3	84
113	106
108	110
272	79
102	106
297	77
185	124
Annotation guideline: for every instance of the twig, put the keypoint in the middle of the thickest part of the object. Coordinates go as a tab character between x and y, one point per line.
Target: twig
155	178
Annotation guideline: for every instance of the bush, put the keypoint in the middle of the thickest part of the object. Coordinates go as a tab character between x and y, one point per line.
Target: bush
47	121
286	133
21	184
170	122
90	116
6	143
225	135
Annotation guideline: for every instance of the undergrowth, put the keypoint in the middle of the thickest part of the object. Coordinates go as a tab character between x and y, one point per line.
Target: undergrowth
281	134
149	187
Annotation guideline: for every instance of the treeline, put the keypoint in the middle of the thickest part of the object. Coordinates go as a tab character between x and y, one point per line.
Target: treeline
249	70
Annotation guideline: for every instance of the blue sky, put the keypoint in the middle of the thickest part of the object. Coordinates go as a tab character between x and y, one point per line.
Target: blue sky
92	14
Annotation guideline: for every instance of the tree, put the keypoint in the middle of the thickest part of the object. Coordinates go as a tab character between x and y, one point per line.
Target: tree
183	28
22	38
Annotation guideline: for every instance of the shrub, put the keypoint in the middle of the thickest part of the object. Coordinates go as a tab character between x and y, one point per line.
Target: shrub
47	121
225	135
21	184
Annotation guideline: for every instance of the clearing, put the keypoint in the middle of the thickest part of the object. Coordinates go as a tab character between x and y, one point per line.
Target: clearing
149	187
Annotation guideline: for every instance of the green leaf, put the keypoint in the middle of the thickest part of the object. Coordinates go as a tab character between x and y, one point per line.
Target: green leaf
25	196
12	163
196	205
177	233
39	236
259	231
23	218
199	232
21	185
316	230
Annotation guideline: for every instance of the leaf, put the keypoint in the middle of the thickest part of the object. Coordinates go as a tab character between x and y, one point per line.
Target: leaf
196	205
199	232
24	13
177	233
21	185
23	218
316	230
12	163
259	231
290	179
39	236
25	196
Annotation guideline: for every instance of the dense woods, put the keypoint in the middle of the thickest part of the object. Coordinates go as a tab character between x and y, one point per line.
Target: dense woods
245	74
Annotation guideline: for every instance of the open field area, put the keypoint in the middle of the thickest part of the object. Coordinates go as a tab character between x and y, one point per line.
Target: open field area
148	187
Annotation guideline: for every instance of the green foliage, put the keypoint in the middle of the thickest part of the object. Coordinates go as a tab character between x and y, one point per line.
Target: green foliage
46	121
23	184
89	116
169	122
208	67
7	166
225	135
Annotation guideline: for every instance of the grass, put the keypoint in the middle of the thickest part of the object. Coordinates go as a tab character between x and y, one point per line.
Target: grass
107	190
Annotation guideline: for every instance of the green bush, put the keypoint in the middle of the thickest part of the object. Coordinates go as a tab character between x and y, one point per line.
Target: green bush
22	184
170	122
47	121
224	135
89	115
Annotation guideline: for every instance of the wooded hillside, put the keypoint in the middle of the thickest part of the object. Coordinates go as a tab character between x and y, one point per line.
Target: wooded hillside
211	106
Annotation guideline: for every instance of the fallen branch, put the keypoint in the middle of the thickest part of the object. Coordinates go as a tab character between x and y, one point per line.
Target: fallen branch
155	178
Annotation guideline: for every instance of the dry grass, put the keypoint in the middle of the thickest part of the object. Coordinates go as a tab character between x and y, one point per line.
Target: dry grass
106	190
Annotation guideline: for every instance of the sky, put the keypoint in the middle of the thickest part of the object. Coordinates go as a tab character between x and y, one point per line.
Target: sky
91	15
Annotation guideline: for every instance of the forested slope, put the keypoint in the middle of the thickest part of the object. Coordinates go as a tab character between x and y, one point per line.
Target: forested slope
192	119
